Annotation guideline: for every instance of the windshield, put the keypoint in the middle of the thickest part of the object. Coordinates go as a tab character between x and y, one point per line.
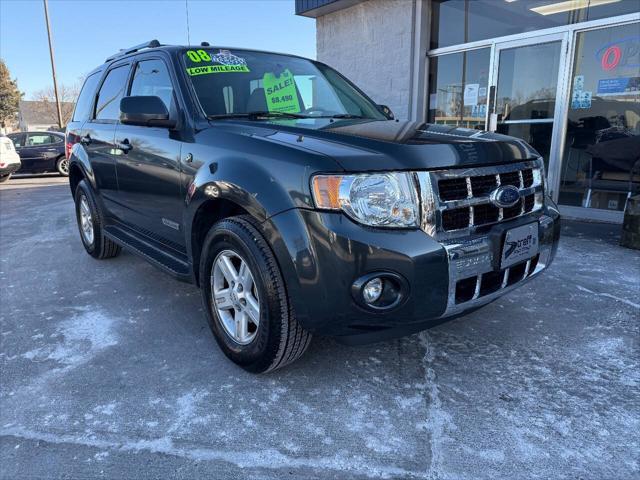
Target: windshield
240	82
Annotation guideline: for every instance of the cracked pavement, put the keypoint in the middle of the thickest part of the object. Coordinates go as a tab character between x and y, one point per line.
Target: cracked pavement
108	370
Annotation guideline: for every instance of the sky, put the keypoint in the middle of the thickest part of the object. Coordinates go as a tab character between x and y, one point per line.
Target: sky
86	32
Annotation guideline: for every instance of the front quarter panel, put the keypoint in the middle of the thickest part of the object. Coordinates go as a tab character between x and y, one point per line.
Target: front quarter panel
261	176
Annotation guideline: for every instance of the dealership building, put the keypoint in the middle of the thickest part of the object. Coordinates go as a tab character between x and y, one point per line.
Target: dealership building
564	75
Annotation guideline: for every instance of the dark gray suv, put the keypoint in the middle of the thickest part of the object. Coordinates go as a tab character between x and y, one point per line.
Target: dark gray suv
297	204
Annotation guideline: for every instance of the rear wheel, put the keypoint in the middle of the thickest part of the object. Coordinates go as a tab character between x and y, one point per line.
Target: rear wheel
90	224
62	166
245	298
5	178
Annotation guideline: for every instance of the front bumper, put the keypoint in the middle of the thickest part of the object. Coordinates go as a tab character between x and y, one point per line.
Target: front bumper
474	261
321	254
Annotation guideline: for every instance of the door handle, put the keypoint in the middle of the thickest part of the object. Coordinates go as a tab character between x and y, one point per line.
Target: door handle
125	146
86	140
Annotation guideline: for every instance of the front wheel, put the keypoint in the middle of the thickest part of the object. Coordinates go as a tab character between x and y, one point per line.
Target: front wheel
5	178
245	298
62	166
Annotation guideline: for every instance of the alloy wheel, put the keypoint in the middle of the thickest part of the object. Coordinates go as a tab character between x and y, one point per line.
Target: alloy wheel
86	221
63	166
235	297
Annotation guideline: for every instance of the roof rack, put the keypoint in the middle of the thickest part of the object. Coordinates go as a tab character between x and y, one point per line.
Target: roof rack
127	51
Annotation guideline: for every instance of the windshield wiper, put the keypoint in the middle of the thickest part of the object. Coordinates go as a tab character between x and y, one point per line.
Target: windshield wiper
257	114
345	115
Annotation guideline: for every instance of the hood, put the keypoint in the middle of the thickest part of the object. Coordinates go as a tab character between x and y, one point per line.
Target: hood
369	145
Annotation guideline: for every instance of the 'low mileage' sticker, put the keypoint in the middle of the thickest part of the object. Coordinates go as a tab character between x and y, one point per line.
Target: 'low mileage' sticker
221	62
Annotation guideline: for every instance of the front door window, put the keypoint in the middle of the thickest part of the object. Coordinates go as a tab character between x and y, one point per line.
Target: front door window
151	78
18	140
601	163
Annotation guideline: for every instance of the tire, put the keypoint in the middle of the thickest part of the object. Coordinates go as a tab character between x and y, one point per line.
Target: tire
5	178
278	339
62	166
97	244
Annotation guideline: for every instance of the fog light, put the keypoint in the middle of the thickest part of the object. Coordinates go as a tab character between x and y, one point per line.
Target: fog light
372	290
380	291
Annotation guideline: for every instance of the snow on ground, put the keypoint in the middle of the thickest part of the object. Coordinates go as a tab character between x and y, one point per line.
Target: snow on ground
108	369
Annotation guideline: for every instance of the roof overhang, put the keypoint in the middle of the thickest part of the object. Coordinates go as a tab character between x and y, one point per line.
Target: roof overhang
318	8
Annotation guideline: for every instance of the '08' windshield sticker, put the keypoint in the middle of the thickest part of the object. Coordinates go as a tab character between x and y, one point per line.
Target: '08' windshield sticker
226	62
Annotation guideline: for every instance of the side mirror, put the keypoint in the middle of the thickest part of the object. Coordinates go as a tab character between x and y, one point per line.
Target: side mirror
145	111
386	111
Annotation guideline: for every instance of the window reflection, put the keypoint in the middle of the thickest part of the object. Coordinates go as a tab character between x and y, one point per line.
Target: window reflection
527	81
458	85
526	93
461	21
601	164
151	78
538	135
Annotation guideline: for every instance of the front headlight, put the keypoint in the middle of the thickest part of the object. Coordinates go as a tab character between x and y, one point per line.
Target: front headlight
376	199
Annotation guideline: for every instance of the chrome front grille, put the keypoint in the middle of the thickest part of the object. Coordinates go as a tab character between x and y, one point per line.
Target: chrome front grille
456	202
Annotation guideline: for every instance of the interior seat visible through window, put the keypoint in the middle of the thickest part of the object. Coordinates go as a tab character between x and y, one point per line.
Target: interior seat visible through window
257	102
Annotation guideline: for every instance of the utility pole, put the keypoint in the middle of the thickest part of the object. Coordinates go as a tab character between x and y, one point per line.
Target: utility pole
186	9
53	65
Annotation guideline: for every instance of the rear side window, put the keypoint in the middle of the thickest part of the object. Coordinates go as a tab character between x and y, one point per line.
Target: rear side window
85	100
151	78
37	139
112	90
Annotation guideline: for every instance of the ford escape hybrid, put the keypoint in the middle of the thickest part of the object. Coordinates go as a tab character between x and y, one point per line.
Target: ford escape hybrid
295	203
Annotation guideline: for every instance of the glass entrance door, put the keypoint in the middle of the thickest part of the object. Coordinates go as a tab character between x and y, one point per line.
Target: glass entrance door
601	163
573	94
524	85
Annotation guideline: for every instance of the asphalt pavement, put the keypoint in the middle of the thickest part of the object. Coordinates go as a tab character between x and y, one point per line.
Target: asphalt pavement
108	370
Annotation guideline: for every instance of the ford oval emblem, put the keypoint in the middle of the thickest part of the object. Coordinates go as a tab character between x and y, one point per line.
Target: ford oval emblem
505	196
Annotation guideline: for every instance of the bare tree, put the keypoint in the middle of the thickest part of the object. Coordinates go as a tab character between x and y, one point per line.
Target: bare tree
68	95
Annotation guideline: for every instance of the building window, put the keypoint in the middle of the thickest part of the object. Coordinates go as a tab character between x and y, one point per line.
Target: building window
601	164
458	86
461	21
